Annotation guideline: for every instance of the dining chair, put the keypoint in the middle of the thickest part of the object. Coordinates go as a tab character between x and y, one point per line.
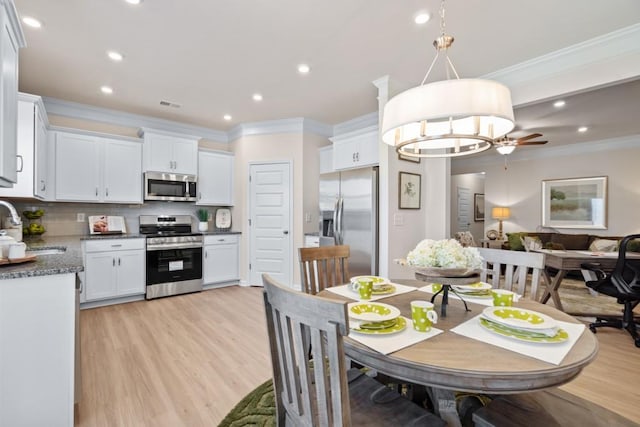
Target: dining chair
320	391
323	267
623	283
510	270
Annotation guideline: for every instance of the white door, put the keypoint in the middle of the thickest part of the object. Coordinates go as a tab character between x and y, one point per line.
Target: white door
270	238
464	209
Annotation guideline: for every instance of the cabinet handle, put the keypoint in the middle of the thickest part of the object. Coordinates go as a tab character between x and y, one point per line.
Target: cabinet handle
21	163
113	261
175	165
116	246
44	186
353	157
107	192
118	261
206	254
96	191
357	157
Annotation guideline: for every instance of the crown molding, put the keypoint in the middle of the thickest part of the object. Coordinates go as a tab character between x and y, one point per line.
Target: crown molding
597	62
603	145
104	115
35	99
356	124
94	134
12	15
294	125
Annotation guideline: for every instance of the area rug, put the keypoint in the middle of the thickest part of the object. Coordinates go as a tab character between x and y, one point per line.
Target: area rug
256	409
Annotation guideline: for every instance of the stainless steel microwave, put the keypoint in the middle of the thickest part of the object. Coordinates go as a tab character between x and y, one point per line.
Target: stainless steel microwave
170	186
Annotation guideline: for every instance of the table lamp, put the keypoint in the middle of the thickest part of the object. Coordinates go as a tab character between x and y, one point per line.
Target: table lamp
500	213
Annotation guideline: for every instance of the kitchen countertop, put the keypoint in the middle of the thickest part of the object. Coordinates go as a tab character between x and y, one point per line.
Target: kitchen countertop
70	261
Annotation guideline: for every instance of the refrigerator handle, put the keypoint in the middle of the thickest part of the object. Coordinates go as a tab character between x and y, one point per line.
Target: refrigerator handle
340	217
334	224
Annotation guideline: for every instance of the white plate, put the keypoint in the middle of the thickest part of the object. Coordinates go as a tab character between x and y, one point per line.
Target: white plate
372	311
480	286
519	318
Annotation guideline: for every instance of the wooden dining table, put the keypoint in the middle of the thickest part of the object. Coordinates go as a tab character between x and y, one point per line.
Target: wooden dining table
450	361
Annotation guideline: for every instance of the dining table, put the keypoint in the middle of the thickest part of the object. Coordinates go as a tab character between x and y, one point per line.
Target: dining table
450	362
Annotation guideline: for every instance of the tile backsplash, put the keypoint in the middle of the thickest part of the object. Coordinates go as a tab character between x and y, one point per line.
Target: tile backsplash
60	219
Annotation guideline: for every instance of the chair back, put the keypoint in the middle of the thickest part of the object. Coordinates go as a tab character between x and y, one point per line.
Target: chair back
307	395
626	274
323	267
516	265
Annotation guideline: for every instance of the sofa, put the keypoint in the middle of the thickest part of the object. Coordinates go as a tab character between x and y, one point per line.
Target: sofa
582	242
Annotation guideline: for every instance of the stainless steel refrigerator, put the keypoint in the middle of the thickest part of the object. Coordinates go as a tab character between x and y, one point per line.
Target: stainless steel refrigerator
349	216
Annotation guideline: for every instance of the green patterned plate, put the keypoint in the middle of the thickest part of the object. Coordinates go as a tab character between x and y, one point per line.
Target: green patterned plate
384	289
505	331
400	325
372	311
519	318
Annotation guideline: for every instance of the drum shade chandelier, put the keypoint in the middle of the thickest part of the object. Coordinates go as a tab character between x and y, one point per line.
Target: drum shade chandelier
449	118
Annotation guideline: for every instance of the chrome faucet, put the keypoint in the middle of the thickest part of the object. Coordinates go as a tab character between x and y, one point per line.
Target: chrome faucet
15	218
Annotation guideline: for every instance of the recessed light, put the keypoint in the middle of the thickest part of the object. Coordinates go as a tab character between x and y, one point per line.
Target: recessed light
422	18
106	90
32	22
303	68
115	56
257	97
227	117
583	129
559	104
133	1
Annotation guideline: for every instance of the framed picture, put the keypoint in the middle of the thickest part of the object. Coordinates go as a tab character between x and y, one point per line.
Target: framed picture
575	203
408	158
409	190
478	207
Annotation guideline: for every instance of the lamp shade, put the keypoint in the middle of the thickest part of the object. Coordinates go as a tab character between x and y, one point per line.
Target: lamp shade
500	212
505	149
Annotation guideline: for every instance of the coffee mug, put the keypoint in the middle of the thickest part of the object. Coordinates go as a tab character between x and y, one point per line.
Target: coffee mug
364	288
423	315
502	297
436	287
17	250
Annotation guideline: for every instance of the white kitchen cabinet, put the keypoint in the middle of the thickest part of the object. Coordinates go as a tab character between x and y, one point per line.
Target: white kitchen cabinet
91	168
11	39
215	178
41	158
311	241
356	149
168	152
325	155
114	268
32	133
221	258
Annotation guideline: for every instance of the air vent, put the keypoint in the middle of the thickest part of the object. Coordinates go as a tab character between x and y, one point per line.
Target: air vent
170	104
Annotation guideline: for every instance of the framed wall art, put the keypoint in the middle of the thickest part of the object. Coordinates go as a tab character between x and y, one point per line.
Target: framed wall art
575	203
409	190
478	207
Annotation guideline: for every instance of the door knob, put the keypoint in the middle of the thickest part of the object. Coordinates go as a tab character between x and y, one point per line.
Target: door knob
285	232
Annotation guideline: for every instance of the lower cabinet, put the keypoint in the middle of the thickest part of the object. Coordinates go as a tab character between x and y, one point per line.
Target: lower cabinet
221	261
114	268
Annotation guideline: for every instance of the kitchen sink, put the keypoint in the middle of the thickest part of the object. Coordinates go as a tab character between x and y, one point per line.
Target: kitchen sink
46	251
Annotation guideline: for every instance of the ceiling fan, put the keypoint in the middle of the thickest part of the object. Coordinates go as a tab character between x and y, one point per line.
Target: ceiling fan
506	145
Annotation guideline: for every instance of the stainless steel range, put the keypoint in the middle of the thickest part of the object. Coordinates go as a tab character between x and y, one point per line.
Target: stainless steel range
174	255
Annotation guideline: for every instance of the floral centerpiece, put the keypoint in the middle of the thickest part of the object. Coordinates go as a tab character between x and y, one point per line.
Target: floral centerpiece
447	258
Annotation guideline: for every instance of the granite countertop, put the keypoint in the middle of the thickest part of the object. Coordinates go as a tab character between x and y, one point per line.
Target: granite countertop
69	261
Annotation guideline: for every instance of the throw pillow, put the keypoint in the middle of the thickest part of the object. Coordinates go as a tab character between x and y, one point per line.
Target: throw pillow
633	246
572	241
531	243
515	244
604	245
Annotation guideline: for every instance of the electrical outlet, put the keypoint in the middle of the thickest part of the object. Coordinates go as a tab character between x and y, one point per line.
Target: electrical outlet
307	217
80	217
398	219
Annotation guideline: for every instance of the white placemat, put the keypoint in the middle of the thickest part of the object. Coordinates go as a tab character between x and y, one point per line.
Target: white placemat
345	291
547	352
482	301
386	344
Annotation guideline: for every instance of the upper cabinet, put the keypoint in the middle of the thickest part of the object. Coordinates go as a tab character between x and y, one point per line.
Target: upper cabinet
91	168
325	156
356	149
215	178
31	160
169	152
11	39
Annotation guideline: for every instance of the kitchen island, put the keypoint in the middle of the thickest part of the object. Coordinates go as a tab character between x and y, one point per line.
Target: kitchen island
38	314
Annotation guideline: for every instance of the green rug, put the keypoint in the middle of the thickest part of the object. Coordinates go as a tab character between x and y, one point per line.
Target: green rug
256	409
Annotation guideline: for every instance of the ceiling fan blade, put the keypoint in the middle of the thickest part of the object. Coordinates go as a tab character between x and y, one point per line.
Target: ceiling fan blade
528	137
532	143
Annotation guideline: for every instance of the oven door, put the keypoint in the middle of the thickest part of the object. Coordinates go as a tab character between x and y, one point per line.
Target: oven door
173	265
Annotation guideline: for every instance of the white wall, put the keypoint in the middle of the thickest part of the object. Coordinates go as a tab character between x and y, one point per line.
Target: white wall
520	185
475	183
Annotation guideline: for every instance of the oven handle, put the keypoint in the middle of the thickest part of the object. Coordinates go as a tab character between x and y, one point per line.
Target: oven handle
165	246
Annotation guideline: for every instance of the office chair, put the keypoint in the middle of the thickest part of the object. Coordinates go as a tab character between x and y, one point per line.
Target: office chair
623	283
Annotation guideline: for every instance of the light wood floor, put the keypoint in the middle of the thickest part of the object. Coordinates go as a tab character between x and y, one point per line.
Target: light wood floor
187	360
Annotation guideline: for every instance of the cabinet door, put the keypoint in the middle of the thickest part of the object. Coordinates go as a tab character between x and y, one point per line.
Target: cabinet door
77	167
158	153
100	275
24	165
185	156
41	166
9	102
215	179
325	155
221	263
344	154
356	150
122	172
131	272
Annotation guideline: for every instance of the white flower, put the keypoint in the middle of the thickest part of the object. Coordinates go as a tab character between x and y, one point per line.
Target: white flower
447	253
